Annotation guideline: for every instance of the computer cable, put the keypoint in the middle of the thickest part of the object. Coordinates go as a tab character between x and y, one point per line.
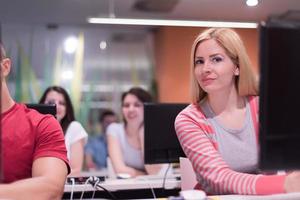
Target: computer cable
151	188
72	188
96	183
165	176
85	184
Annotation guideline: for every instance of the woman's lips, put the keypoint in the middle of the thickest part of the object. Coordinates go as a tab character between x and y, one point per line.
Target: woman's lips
207	81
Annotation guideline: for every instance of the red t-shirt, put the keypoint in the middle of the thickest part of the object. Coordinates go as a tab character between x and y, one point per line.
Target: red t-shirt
26	136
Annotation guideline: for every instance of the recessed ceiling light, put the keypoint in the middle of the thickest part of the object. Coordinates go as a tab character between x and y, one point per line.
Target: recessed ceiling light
252	2
103	45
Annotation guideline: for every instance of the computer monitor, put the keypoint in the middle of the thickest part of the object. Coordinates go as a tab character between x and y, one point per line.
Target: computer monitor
44	108
160	141
279	119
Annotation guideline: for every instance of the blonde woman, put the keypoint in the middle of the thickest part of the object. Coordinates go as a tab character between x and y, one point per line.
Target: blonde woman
219	130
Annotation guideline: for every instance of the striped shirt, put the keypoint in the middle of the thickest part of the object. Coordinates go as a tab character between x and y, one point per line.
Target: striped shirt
242	153
214	175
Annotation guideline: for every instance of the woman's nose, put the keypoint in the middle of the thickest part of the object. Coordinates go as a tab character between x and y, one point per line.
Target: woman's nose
58	105
131	107
206	67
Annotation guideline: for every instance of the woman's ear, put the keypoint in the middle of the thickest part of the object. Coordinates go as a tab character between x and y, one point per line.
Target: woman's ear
237	71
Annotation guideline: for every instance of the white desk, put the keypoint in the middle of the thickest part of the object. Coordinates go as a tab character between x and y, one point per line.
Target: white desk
126	184
134	185
289	196
128	187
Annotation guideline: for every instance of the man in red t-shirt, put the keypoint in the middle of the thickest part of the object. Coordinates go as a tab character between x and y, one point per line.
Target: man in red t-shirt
34	156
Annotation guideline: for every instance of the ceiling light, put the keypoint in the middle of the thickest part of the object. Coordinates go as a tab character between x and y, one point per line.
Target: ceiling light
67	75
103	45
252	2
160	22
71	44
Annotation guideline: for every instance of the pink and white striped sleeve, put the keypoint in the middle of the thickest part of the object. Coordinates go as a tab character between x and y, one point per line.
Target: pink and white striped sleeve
214	175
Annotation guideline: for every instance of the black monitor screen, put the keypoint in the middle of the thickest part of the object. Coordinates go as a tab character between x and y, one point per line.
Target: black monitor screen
44	108
161	143
279	96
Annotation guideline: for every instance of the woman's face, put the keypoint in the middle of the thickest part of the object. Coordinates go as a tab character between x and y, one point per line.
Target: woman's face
54	97
214	70
133	109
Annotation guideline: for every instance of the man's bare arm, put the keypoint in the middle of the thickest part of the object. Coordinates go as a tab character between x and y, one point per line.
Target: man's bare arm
47	182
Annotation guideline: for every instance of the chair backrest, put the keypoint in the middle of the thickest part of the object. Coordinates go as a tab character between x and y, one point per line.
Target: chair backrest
188	176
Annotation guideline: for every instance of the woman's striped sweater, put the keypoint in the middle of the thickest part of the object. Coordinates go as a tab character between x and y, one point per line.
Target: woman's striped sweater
214	175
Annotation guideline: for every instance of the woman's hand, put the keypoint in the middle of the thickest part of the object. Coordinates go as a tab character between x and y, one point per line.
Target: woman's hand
292	182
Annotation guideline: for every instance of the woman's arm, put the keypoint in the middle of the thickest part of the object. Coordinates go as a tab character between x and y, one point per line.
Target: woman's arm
116	156
77	155
90	162
77	138
215	175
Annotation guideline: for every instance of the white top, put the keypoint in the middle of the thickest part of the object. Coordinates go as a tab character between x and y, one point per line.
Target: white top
74	133
132	157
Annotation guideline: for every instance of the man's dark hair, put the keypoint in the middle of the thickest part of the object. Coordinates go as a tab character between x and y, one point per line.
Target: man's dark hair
105	113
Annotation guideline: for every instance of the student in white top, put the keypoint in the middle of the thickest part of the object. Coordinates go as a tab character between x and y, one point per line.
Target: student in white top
126	140
75	134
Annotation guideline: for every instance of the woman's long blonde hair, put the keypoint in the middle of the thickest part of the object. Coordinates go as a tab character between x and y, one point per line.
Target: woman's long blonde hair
231	42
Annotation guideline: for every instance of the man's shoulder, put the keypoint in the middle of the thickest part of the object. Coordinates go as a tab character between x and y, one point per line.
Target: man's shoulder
30	113
20	112
35	118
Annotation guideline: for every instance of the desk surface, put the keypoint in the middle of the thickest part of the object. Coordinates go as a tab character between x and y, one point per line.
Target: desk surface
133	188
139	186
126	184
289	196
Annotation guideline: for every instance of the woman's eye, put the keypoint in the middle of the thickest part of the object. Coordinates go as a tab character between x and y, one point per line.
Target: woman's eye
199	62
62	103
138	105
216	59
50	102
125	105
